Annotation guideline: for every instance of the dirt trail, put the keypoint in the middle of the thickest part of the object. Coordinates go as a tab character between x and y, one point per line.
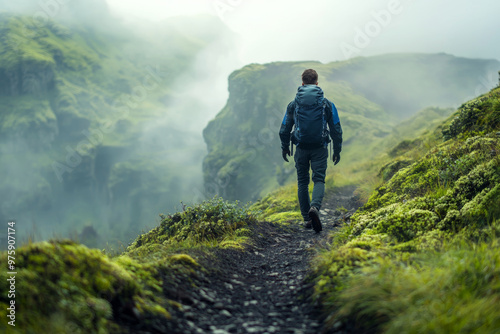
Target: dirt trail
261	290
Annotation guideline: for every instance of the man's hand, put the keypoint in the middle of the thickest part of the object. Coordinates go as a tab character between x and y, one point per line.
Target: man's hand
336	158
284	153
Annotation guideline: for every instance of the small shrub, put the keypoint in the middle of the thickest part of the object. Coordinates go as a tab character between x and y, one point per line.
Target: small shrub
211	220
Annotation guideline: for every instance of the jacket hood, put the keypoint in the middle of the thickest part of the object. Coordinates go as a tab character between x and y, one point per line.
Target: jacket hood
309	95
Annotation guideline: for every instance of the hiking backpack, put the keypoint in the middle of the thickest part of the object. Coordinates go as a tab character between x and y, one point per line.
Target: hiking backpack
310	125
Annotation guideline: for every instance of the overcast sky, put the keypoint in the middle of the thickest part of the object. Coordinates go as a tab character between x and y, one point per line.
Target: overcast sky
328	30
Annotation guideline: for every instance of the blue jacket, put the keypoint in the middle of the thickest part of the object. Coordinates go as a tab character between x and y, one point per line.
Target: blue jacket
305	95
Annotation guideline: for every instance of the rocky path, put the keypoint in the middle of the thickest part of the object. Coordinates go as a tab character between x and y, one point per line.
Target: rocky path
262	289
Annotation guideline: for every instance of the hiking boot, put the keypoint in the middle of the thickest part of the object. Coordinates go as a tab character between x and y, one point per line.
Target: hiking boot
315	222
308	223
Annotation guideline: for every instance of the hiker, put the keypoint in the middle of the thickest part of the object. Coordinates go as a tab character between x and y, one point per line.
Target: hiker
310	112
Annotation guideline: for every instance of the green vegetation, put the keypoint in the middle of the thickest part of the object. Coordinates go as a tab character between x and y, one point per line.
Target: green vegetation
279	206
65	287
211	222
422	254
451	291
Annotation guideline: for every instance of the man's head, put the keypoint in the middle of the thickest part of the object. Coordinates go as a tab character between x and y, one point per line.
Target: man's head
310	77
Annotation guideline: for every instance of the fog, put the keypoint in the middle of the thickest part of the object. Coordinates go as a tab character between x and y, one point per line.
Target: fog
270	30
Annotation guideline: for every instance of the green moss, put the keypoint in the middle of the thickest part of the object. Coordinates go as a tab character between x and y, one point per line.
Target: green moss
17	49
64	284
146	273
281	202
340	263
407	206
184	259
389	169
481	115
452	292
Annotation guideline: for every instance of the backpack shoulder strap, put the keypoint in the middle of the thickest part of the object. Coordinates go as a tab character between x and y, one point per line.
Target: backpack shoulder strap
296	125
295	113
325	133
327	105
296	118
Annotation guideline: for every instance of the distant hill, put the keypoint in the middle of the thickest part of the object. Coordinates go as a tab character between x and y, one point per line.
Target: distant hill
372	94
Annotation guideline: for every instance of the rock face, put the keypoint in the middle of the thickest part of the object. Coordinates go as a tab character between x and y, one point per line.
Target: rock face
241	140
29	80
372	95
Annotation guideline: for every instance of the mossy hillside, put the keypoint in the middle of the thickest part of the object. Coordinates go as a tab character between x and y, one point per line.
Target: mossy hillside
401	251
64	287
29	54
441	169
149	188
89	71
453	291
243	159
71	93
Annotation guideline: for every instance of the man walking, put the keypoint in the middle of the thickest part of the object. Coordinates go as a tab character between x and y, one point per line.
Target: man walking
310	112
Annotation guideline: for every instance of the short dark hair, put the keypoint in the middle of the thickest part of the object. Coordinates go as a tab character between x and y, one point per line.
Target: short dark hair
310	77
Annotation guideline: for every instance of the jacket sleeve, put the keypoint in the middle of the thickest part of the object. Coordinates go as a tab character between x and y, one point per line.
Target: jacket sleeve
286	127
335	129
